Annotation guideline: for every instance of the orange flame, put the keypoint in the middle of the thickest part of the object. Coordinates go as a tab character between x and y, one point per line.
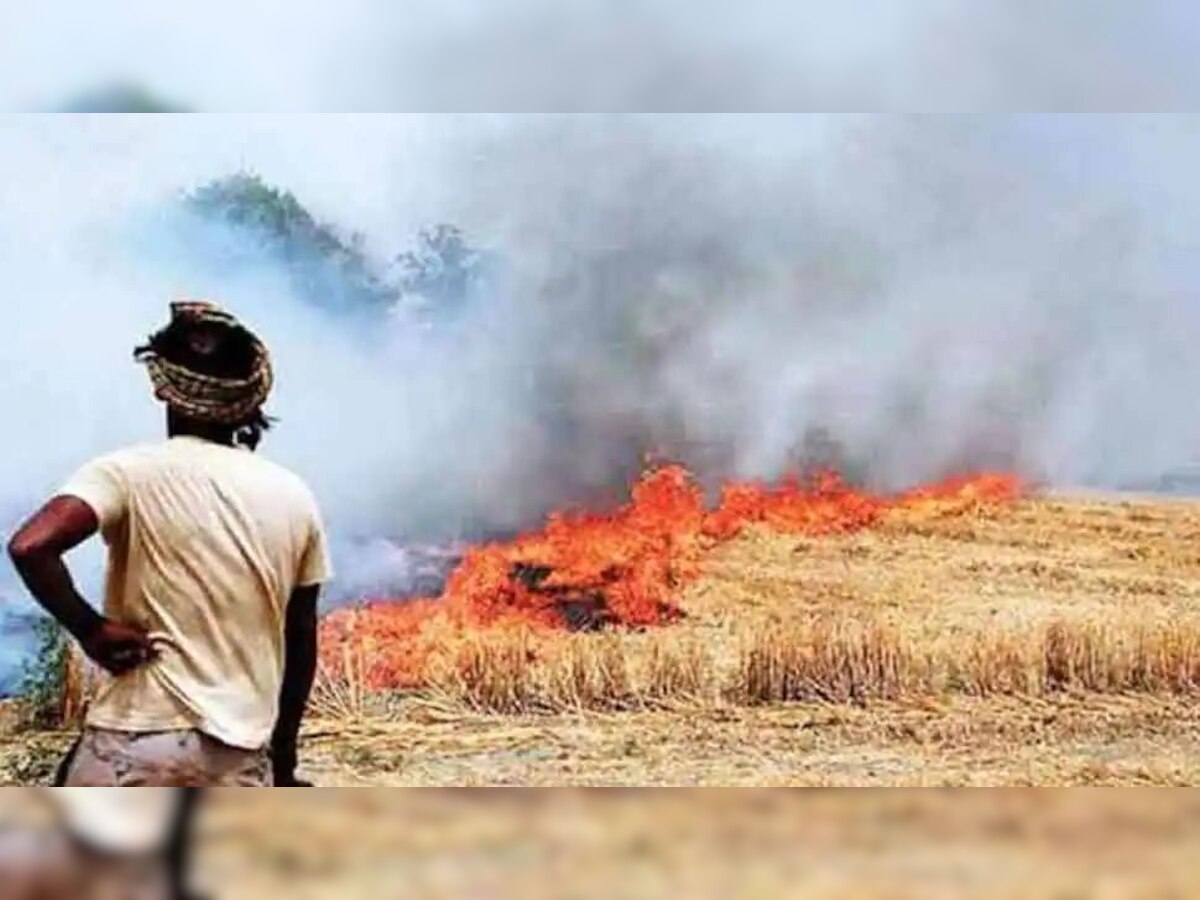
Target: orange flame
622	569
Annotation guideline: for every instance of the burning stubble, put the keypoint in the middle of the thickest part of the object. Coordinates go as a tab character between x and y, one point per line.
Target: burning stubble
589	573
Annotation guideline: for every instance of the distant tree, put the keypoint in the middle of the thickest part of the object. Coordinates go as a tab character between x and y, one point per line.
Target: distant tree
328	268
121	98
443	270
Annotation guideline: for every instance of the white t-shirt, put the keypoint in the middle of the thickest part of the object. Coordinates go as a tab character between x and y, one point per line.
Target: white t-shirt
206	545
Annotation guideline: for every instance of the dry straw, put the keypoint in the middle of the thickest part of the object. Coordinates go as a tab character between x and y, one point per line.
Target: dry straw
821	660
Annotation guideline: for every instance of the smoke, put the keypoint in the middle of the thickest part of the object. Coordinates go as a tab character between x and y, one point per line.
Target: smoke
930	293
770	55
925	293
699	55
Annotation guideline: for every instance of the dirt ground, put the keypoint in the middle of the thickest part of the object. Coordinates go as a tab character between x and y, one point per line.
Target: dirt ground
1083	741
1079	741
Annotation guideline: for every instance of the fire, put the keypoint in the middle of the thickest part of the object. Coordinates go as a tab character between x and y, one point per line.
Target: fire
622	569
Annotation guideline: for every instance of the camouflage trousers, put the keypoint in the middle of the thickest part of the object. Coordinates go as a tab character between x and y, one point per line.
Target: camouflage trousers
162	759
45	864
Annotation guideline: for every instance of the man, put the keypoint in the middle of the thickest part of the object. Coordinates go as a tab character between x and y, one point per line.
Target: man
216	558
109	844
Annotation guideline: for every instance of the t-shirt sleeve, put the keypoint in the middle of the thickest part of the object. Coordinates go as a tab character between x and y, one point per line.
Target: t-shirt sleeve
101	484
315	567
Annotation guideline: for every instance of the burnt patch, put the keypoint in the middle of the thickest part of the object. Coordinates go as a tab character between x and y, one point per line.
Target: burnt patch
586	612
582	609
531	575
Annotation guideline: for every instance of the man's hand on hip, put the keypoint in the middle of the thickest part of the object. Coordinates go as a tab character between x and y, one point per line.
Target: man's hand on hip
118	648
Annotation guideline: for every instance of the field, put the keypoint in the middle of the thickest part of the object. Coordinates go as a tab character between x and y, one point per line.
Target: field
1047	641
1054	641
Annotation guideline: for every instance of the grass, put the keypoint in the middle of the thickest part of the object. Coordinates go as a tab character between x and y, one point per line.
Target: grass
825	660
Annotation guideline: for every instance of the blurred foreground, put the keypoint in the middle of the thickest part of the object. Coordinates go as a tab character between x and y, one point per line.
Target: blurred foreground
605	844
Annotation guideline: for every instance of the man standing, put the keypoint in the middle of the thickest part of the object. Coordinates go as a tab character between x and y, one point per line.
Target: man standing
215	561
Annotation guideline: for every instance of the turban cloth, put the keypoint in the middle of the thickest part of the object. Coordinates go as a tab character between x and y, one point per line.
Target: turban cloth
200	396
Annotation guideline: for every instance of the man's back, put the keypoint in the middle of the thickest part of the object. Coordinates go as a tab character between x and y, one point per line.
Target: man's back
216	558
206	545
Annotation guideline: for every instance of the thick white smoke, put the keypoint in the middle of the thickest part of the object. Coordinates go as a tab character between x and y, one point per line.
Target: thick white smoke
933	293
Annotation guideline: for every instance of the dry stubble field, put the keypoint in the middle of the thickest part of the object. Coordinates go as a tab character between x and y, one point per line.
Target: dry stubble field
1055	641
1052	642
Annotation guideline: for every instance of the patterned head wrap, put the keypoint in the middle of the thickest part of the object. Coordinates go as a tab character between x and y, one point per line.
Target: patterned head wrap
207	398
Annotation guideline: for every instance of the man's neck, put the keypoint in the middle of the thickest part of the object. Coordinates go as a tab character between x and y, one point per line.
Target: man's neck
204	431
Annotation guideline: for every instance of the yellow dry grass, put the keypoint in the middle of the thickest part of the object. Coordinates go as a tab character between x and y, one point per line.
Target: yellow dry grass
1063	633
838	659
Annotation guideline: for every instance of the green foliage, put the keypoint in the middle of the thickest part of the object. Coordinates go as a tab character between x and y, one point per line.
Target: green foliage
327	268
44	676
443	269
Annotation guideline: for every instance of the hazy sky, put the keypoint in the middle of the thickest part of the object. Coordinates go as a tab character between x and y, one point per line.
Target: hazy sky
656	55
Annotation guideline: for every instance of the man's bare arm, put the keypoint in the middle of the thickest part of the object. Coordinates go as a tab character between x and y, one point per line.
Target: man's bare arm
37	551
300	668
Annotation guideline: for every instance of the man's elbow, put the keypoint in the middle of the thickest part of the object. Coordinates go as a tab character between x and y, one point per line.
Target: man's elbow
25	549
